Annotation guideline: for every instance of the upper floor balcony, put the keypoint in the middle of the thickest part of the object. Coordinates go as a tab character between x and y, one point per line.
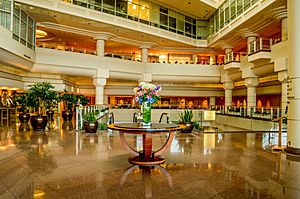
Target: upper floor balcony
80	64
259	50
232	60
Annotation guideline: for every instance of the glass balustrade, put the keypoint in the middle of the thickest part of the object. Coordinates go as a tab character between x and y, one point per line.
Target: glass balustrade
227	12
149	13
18	22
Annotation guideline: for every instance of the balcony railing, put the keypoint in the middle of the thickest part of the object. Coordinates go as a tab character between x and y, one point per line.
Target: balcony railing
123	56
233	57
268	113
261	44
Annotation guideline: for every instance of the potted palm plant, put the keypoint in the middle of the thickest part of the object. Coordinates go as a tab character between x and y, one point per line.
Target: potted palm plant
69	100
37	95
186	118
22	101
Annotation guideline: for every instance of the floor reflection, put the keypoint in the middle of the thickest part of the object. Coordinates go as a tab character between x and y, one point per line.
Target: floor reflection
146	172
63	163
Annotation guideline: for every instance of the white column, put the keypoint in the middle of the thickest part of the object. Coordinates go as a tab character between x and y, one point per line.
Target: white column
146	77
144	55
194	57
212	101
282	77
228	86
293	124
284	29
100	38
212	60
284	97
145	46
99	93
100	47
99	81
251	84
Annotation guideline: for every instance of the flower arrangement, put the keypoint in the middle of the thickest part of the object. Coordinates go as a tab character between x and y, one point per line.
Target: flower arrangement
146	92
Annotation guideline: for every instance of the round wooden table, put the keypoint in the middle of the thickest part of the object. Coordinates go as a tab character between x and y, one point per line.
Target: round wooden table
146	157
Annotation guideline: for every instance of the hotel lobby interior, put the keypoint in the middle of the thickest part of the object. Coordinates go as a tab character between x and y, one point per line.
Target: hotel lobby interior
149	99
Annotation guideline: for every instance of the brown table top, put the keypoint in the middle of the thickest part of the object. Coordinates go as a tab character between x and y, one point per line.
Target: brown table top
154	128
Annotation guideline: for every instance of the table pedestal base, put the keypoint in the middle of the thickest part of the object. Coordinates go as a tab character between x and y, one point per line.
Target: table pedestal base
146	161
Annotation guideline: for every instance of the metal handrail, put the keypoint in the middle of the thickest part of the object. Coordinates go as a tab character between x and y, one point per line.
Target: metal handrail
111	118
135	117
161	117
279	147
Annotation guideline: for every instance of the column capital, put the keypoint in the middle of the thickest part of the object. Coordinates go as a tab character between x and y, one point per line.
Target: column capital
282	76
146	77
147	45
101	73
228	48
103	36
228	85
247	71
99	82
279	13
251	81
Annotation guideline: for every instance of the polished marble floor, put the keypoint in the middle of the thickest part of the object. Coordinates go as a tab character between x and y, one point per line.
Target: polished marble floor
61	163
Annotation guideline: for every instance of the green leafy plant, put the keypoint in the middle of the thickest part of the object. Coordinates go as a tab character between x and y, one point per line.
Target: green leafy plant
91	116
102	126
186	116
52	100
38	94
197	125
82	99
69	99
22	102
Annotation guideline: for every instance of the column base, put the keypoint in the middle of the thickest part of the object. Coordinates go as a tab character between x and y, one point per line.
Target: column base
292	150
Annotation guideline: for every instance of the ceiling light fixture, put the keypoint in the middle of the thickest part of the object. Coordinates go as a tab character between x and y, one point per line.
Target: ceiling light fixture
40	34
134	6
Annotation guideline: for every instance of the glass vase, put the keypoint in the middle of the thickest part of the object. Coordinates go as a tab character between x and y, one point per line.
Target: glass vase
146	106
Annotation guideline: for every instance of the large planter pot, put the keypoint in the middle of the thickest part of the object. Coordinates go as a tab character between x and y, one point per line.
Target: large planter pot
188	128
90	127
24	117
67	125
50	113
38	122
24	127
67	115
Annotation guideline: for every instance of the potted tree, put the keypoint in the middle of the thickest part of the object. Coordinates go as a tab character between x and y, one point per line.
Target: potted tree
90	123
186	118
69	100
22	101
51	102
82	100
37	95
